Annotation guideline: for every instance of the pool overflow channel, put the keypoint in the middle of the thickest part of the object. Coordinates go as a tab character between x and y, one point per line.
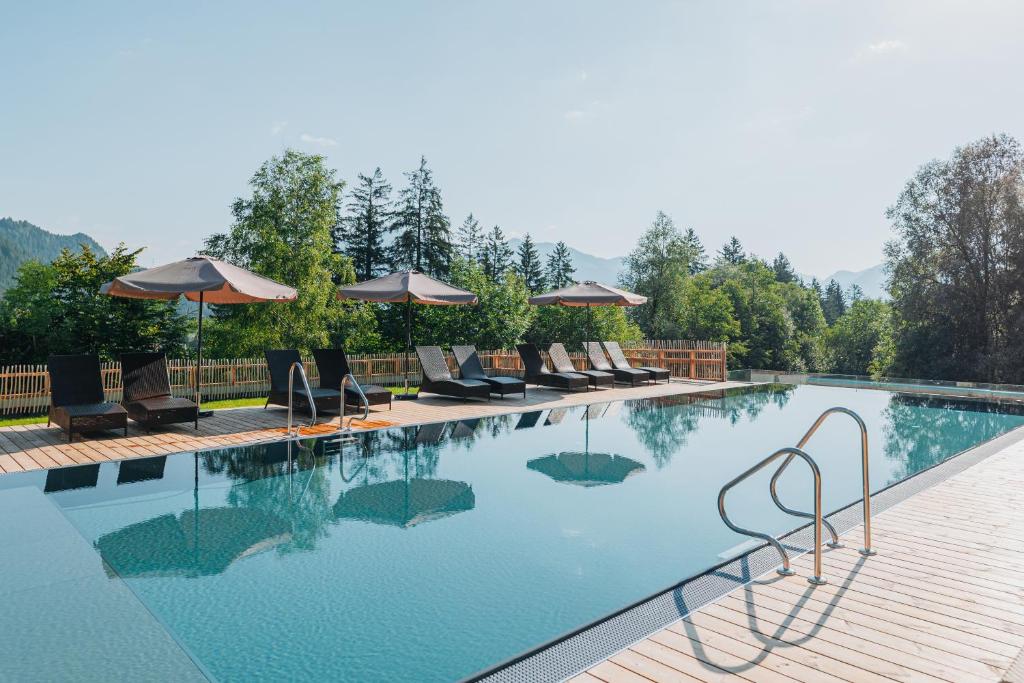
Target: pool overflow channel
791	452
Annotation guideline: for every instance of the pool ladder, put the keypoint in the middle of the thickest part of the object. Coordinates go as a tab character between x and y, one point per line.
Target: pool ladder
819	521
297	365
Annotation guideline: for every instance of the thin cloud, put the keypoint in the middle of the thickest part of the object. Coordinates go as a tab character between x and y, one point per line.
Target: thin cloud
881	48
319	141
277	127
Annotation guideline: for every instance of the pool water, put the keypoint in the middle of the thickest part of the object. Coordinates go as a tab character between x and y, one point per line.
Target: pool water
431	553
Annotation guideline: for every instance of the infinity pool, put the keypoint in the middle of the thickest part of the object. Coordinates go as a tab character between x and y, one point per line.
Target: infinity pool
431	553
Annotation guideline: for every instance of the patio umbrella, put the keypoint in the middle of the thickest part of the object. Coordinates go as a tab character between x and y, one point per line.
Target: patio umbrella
588	293
409	287
202	279
584	468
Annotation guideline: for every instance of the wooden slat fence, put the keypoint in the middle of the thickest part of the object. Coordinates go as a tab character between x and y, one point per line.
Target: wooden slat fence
25	390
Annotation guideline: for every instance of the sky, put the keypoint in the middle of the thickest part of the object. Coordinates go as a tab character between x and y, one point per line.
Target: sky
791	124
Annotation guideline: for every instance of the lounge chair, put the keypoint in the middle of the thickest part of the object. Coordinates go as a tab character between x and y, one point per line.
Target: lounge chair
279	363
77	403
332	364
437	378
471	368
619	361
599	361
562	363
147	392
537	372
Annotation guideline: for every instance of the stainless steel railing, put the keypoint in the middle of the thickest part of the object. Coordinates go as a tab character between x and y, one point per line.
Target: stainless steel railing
817	579
359	390
291	396
865	479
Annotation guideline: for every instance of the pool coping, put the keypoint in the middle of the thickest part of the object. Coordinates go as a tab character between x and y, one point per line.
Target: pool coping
576	651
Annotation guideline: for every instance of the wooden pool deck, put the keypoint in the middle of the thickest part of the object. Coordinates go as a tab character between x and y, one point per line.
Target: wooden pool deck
32	447
943	600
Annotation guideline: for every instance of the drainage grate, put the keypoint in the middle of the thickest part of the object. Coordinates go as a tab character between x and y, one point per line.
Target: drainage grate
581	649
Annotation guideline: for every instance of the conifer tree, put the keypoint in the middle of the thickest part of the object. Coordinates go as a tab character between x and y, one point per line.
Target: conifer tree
783	269
370	218
497	256
731	253
470	240
560	270
834	304
695	249
529	266
424	234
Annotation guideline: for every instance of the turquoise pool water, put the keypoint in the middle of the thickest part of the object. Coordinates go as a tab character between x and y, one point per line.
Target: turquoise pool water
431	553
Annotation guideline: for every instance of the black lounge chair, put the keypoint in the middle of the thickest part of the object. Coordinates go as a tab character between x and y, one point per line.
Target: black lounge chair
471	368
537	372
279	363
619	362
562	363
599	361
332	364
147	392
77	403
437	378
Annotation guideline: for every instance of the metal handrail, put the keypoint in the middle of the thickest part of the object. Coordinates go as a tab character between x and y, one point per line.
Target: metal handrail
866	551
291	396
362	396
785	570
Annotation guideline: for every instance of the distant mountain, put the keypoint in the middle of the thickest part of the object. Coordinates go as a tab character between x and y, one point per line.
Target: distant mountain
21	241
588	266
870	280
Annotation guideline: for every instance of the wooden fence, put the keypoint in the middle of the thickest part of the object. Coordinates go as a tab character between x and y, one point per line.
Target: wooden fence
25	389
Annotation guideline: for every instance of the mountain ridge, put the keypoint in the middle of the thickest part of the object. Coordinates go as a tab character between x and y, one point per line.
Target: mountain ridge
21	241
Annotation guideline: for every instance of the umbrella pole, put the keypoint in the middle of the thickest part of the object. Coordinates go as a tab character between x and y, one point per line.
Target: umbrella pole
408	344
199	363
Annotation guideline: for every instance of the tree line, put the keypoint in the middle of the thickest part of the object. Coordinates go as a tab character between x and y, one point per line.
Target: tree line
955	277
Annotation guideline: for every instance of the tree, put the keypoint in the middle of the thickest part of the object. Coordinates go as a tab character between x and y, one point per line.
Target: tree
834	302
424	235
784	269
471	239
560	270
857	342
708	314
284	231
731	253
695	248
568	324
497	254
529	266
57	308
369	221
657	268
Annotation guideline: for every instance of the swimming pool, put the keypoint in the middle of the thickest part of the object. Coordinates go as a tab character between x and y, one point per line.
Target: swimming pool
430	553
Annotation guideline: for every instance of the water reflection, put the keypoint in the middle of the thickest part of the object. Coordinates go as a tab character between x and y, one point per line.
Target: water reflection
69	478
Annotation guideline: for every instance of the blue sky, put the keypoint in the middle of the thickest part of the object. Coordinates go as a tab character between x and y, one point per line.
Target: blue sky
791	124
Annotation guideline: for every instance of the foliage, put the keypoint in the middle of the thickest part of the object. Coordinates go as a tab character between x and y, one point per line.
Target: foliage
284	231
657	268
784	269
559	271
568	324
20	242
731	253
57	308
470	241
424	236
833	302
857	341
529	266
370	219
497	254
698	258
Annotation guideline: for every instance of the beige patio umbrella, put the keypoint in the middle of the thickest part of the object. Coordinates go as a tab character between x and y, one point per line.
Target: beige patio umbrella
409	287
588	293
202	279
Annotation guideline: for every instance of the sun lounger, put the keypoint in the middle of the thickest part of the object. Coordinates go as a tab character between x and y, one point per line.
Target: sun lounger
437	378
147	392
619	361
279	363
538	373
332	364
562	363
77	403
470	367
599	361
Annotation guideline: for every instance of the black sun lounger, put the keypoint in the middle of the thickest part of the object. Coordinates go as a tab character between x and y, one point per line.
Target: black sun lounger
598	361
332	364
279	363
562	363
470	367
77	403
437	378
619	361
538	373
147	392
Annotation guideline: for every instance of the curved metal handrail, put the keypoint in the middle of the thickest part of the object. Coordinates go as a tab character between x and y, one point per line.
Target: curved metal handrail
866	482
362	396
291	396
791	452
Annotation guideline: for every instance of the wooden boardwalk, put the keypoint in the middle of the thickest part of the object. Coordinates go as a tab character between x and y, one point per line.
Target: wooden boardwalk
943	600
31	447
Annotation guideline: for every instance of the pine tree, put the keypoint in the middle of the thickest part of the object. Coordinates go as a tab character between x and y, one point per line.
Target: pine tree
370	218
560	271
834	304
497	256
783	269
695	248
424	235
529	266
731	253
471	239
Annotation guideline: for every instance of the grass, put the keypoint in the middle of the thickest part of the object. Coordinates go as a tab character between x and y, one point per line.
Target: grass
207	405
